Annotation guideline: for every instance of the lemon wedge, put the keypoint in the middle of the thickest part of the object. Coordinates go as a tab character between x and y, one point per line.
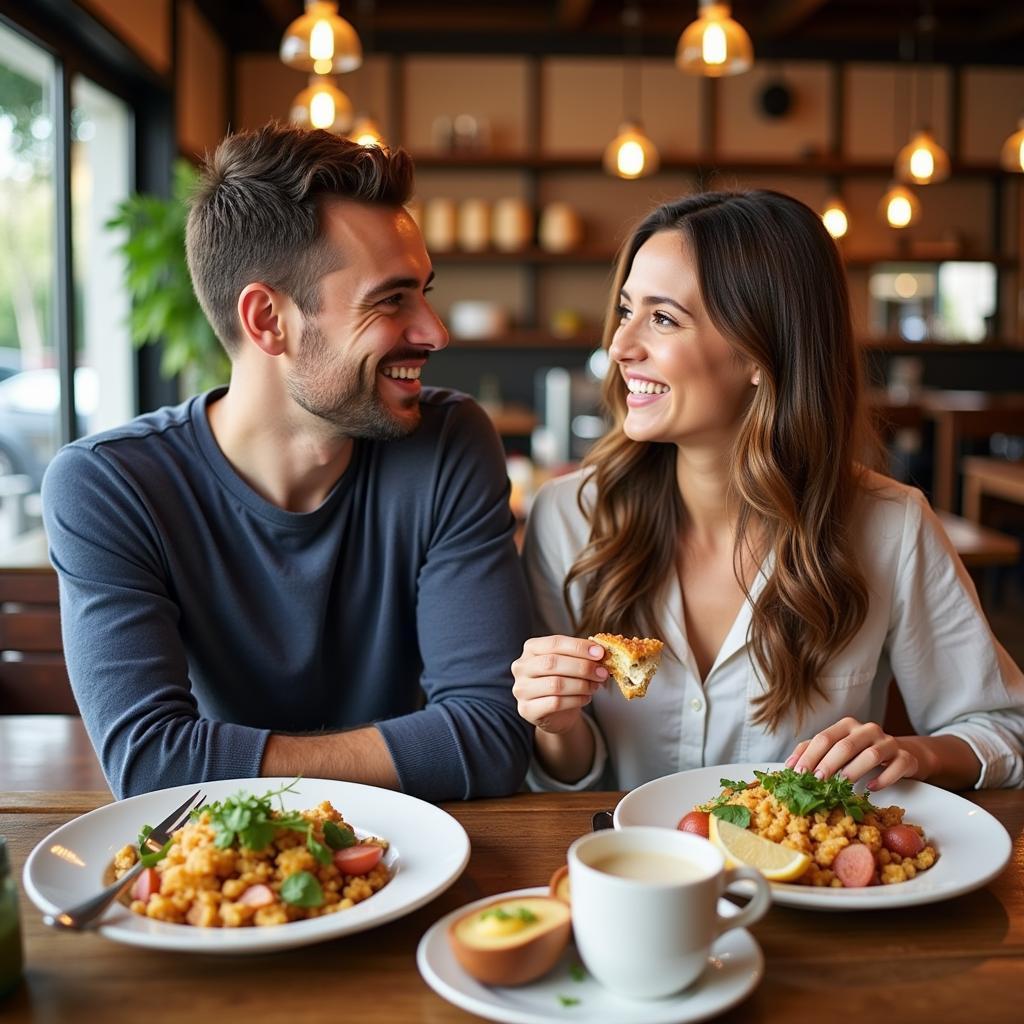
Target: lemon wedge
740	846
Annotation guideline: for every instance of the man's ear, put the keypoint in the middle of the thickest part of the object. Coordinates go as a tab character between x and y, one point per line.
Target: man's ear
262	313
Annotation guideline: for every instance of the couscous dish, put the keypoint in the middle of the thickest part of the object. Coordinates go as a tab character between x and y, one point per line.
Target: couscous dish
827	821
240	862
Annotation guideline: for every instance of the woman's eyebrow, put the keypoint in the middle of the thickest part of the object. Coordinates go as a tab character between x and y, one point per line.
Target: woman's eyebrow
662	300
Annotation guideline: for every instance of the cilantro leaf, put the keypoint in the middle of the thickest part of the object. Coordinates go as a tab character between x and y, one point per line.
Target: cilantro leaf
338	838
577	972
319	851
150	857
736	787
568	1000
732	813
302	890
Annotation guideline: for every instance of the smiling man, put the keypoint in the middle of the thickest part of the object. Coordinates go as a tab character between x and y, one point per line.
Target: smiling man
312	570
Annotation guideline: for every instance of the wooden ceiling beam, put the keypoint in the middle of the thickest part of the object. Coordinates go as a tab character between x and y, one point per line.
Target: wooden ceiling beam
782	16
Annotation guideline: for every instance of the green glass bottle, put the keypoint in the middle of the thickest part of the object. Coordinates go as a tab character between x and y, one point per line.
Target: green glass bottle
10	928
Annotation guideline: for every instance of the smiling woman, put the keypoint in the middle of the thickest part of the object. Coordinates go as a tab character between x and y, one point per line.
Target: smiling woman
728	511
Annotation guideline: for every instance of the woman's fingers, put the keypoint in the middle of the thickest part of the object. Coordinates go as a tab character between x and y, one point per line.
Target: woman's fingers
854	749
903	765
825	744
797	751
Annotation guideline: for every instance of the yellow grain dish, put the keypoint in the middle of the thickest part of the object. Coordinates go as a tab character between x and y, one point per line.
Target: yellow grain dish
823	834
211	879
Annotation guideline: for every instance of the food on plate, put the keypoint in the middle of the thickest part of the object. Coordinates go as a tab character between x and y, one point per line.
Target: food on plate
829	835
559	884
631	661
776	862
697	822
240	862
511	941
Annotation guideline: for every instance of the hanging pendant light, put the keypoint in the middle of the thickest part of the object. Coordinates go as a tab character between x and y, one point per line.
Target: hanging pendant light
366	132
835	218
922	161
321	41
899	206
631	154
1012	156
715	44
322	105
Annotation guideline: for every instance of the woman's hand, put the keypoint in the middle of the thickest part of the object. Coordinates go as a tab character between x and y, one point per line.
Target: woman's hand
855	748
555	677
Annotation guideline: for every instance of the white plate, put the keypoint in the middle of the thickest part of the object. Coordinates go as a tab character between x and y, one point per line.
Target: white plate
429	850
734	969
973	846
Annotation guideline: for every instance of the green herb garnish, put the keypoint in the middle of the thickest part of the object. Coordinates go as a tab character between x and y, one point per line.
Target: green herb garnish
803	793
732	813
151	857
501	914
302	890
577	973
252	822
568	1000
338	838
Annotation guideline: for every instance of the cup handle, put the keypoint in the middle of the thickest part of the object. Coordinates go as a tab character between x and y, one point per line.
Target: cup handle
759	902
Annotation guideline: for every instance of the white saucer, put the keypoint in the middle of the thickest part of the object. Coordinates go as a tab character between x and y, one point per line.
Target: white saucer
735	967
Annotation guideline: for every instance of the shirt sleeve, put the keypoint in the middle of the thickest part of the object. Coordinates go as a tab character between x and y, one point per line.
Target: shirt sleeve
126	660
955	677
548	553
472	621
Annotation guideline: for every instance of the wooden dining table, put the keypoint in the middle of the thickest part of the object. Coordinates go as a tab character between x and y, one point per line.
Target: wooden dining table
961	960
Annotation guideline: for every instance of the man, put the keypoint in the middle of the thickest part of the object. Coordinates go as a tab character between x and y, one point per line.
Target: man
246	576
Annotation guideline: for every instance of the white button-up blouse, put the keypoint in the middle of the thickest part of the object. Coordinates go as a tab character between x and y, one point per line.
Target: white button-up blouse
924	627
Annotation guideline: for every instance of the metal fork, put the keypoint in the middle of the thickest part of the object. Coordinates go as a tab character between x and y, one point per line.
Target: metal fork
81	916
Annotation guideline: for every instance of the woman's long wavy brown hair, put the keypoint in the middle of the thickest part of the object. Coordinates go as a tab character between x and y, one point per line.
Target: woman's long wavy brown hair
772	283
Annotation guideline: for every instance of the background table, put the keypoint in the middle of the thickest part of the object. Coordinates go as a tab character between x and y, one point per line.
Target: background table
962	960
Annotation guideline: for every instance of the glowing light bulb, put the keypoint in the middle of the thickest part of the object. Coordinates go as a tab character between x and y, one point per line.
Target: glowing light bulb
713	45
898	212
321	41
321	110
836	222
922	163
630	159
905	286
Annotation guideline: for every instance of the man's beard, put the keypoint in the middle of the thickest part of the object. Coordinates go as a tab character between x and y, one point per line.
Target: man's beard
344	394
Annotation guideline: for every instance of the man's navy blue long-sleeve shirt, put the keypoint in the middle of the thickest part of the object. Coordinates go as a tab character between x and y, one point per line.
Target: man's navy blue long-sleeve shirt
198	617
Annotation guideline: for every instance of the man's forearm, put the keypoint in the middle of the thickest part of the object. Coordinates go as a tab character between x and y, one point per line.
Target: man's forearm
357	756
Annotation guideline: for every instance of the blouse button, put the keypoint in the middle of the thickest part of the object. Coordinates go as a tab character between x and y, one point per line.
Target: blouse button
696	704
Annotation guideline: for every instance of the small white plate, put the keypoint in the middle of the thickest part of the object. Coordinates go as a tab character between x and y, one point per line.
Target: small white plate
429	850
973	846
735	967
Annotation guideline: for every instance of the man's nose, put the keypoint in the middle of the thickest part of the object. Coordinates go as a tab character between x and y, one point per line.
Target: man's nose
428	331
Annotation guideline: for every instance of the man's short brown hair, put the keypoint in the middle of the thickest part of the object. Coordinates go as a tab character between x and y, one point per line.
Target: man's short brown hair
255	215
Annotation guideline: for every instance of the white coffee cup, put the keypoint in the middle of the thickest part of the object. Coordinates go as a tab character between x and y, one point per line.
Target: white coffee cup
647	939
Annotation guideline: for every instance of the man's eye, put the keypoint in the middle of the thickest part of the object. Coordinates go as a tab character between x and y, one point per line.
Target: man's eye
393	300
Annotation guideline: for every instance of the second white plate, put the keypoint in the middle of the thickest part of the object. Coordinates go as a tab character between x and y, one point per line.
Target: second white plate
973	846
734	969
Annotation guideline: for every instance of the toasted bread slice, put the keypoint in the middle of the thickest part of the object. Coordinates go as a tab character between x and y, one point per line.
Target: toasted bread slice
630	660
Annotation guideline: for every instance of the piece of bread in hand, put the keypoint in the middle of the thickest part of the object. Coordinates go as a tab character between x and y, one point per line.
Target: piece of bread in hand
631	661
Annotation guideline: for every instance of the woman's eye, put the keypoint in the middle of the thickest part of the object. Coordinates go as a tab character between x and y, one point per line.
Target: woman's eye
622	312
663	320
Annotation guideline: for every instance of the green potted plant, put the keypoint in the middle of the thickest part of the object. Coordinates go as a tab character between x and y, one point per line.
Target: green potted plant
164	306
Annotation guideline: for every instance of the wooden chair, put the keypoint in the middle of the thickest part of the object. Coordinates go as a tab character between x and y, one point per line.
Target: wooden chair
33	677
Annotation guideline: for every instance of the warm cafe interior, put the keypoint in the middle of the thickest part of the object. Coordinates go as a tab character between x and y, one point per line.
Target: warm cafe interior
511	511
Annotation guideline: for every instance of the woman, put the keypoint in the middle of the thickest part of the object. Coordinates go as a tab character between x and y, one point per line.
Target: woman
726	513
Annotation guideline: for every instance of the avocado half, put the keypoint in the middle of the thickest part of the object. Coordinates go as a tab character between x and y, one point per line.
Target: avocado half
511	941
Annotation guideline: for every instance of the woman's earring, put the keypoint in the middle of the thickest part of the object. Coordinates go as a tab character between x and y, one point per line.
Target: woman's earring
756	379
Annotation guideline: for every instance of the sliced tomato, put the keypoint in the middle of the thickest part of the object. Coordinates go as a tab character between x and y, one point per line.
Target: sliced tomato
697	822
145	885
258	895
357	860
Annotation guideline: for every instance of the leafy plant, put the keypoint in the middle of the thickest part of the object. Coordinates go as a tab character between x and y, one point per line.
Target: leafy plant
164	306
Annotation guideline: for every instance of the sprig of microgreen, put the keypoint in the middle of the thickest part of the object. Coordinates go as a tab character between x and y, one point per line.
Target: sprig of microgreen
804	793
